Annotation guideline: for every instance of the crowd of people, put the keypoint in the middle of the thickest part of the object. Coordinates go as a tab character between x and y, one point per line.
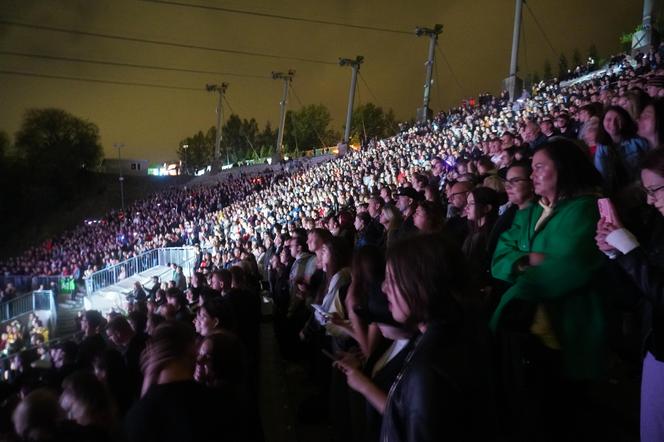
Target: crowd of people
474	277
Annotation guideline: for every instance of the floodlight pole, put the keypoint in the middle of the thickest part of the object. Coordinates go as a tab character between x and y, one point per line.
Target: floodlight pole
221	90
512	82
425	112
355	65
287	79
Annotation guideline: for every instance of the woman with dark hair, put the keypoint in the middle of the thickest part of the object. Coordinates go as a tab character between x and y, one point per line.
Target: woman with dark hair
173	406
643	261
481	212
110	369
335	260
214	316
651	123
87	401
222	365
428	216
383	362
622	156
221	362
549	257
442	391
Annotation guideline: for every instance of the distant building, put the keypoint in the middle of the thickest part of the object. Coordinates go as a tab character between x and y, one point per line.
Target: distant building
129	166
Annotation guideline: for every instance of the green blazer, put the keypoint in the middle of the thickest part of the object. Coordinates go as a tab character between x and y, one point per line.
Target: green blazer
565	283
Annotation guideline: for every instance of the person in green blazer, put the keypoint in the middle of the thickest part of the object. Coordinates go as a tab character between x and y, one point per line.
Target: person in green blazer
550	257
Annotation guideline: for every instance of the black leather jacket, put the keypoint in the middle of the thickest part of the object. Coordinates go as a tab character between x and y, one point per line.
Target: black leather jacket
443	392
645	266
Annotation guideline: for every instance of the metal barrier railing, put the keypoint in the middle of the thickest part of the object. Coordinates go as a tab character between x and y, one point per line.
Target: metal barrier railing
182	256
112	275
37	300
26	283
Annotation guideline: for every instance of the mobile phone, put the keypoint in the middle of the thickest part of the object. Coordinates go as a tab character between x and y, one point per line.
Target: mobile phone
320	310
607	211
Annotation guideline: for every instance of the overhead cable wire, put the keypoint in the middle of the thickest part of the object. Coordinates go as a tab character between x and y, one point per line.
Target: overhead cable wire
449	66
161	42
228	104
280	16
366	85
96	80
292	89
128	65
539	26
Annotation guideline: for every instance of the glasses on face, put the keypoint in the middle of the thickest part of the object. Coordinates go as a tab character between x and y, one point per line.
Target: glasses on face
514	181
457	193
652	192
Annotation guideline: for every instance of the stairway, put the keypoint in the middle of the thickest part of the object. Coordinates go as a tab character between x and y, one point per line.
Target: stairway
67	312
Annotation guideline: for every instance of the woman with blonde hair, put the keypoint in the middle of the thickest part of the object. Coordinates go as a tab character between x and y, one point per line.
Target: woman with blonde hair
391	219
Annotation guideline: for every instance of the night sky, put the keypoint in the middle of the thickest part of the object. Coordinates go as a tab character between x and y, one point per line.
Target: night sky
476	41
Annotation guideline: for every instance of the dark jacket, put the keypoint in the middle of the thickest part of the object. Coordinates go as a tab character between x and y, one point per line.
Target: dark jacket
444	390
645	266
181	411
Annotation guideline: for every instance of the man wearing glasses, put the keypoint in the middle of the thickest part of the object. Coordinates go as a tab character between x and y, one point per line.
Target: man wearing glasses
457	224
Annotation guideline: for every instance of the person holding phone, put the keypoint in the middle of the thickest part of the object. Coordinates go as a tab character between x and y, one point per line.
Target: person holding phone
443	390
643	261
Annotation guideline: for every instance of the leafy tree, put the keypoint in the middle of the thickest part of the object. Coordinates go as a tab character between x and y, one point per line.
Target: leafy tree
249	133
52	139
563	66
308	127
548	70
4	144
371	121
267	139
231	133
199	151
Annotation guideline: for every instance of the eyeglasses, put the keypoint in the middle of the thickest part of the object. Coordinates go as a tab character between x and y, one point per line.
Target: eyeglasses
458	193
514	181
652	192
